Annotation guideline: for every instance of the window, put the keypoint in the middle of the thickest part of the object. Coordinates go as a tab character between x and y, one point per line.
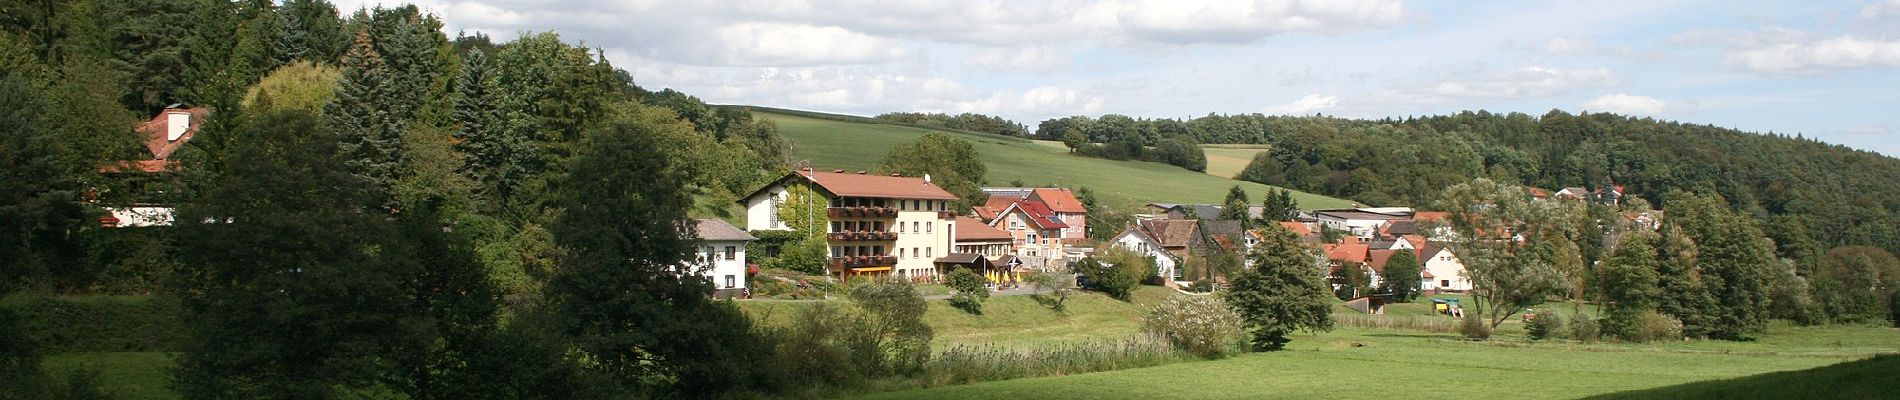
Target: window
1444	282
837	226
928	226
930	252
771	203
916	226
900	253
837	251
732	252
731	282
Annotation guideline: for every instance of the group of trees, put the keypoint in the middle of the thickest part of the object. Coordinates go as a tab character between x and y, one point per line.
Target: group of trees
1705	270
965	121
1180	151
374	206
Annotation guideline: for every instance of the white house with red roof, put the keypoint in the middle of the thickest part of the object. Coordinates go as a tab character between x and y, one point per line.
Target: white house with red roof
163	135
877	224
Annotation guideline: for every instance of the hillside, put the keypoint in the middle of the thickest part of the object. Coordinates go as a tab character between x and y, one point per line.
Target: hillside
1227	160
856	143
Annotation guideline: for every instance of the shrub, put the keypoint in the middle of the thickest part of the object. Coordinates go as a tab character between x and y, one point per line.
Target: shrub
970	290
966	364
1115	271
1544	325
1201	325
1475	327
1654	326
100	323
1389	321
1583	328
1058	286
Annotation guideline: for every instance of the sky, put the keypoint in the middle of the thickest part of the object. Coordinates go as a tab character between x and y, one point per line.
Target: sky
1824	69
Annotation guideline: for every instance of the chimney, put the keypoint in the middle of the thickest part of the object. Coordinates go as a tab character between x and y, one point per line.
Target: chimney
926	178
176	123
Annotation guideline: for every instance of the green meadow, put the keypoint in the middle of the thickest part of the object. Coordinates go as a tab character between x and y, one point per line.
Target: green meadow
857	144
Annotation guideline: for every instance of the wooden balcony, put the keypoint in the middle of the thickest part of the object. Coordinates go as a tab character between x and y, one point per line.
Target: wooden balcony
861	212
861	236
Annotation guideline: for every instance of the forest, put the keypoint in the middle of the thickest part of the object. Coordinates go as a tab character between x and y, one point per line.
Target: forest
1811	195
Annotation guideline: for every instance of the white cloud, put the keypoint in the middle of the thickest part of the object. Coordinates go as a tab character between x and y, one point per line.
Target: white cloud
1041	101
1033	58
1305	105
1242	21
1884	9
1527	82
773	44
1811	56
1570	46
1624	103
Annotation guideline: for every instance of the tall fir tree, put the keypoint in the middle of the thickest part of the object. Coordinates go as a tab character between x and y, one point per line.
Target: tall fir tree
493	156
1282	293
365	115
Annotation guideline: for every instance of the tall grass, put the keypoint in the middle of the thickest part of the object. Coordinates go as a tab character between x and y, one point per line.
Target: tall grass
976	363
1428	324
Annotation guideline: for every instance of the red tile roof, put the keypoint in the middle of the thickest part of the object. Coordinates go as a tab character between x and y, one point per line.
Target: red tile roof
995	205
869	185
972	230
156	131
1346	252
1298	228
1038	213
1058	199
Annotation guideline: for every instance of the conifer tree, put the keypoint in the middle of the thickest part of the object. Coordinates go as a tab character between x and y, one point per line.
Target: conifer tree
1282	293
366	117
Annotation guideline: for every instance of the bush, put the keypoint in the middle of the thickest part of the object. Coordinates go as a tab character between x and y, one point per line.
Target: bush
1654	326
1583	328
970	290
1475	327
1544	325
1201	325
100	323
1115	271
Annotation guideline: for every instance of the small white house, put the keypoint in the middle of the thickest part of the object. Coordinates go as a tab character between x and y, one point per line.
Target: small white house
1140	242
720	255
1442	270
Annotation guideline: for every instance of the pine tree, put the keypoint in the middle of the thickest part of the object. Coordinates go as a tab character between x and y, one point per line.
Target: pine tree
365	116
1234	208
496	160
1284	291
313	31
1628	282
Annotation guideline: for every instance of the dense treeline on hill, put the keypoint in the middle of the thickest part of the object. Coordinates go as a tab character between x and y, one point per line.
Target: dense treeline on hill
371	205
964	121
1806	191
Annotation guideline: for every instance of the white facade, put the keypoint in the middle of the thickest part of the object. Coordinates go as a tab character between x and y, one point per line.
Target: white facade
761	211
1141	244
1448	273
921	236
723	262
137	216
1363	228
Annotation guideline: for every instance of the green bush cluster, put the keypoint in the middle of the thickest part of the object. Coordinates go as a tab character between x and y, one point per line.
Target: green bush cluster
1201	325
99	323
1544	325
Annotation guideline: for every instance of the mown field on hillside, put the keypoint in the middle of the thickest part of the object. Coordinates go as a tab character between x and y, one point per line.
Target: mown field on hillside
1227	160
838	144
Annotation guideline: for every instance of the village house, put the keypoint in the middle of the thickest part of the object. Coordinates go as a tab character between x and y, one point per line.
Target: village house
1442	271
720	255
1361	222
139	183
1061	201
1036	233
877	224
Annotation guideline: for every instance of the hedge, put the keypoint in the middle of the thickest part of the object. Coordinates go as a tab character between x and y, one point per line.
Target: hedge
62	324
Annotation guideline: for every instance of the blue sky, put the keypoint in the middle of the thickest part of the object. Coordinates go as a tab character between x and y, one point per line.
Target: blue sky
1824	69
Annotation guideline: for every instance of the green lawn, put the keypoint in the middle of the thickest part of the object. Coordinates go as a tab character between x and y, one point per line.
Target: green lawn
1358	363
833	144
129	376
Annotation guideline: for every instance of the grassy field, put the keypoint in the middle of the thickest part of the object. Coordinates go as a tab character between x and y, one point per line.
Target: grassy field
1360	363
1228	161
836	144
1015	321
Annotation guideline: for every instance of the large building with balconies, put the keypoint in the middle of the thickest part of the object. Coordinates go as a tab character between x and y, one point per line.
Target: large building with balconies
875	224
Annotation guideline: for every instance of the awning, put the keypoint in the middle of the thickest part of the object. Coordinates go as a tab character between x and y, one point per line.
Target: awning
870	269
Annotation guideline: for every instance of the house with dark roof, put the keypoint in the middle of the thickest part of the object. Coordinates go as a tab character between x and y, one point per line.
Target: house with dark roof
719	255
1068	209
875	224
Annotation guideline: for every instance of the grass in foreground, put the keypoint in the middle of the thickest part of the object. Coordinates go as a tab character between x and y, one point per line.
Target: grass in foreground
1871	378
1124	184
1358	363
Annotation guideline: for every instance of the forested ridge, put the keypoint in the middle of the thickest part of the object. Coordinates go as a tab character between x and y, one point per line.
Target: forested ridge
1834	194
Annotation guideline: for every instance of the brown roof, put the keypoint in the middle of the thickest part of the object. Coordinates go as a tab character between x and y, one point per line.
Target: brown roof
1418	242
1379	257
868	185
1058	199
1298	228
156	131
719	229
995	205
1171	232
972	230
1038	214
1346	252
1430	215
